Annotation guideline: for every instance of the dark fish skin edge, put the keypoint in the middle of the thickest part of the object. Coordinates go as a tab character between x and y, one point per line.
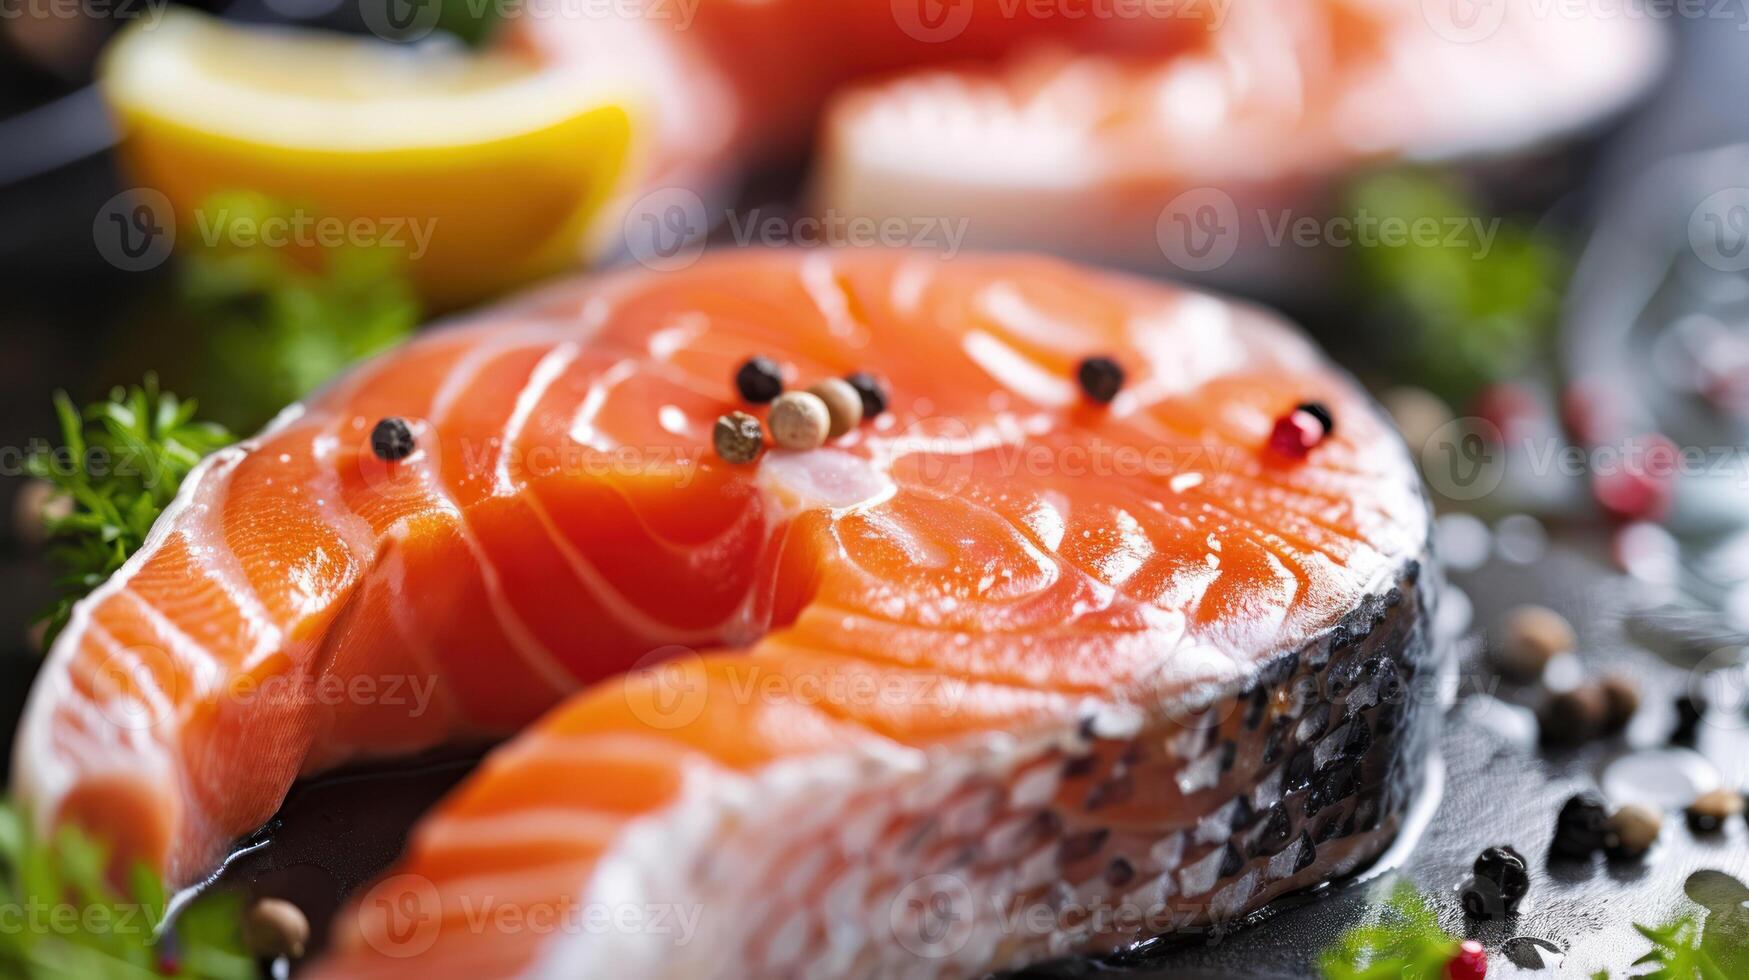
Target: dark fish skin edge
1347	778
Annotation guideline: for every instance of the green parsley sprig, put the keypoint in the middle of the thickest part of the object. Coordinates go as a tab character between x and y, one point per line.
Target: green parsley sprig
275	321
119	465
1464	298
1680	951
1405	943
62	919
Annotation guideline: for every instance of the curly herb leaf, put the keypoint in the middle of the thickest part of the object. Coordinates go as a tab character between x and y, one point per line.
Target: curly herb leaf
1405	943
119	465
63	920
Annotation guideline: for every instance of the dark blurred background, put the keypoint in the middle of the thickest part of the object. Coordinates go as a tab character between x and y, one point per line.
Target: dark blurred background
71	320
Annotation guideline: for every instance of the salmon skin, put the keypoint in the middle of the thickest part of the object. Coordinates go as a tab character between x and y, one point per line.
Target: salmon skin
999	621
605	843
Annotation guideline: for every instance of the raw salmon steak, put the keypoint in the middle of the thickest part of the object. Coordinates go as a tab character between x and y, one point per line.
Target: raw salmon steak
1177	135
1200	155
1000	647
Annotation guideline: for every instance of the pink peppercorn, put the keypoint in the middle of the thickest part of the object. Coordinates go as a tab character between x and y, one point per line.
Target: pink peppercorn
1298	431
1470	963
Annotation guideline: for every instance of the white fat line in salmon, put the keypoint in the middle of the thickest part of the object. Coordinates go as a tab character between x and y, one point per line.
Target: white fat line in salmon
571	917
1366	229
303	229
539	462
940	232
1211	12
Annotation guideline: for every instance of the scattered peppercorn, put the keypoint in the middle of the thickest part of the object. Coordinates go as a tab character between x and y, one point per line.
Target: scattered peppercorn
738	437
1581	827
1709	811
1530	637
1469	963
874	394
1296	433
1689	712
37	504
759	379
1481	902
1633	830
799	420
392	440
843	405
1318	411
1505	868
1574	717
275	928
1101	378
1621	697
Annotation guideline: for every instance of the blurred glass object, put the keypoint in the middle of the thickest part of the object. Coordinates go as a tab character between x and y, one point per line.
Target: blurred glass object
1657	328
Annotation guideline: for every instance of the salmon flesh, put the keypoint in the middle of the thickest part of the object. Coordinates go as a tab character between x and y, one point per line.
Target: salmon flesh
1003	674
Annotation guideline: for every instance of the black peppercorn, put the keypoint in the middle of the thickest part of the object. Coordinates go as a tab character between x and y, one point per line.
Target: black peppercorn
1623	699
1318	411
1581	828
1482	901
392	440
1689	712
1504	868
759	380
1101	378
873	393
1571	718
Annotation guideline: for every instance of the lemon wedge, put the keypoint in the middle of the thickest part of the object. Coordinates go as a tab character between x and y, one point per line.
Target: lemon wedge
487	171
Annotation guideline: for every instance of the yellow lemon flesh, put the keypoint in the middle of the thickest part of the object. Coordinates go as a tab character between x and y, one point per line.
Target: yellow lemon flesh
484	170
